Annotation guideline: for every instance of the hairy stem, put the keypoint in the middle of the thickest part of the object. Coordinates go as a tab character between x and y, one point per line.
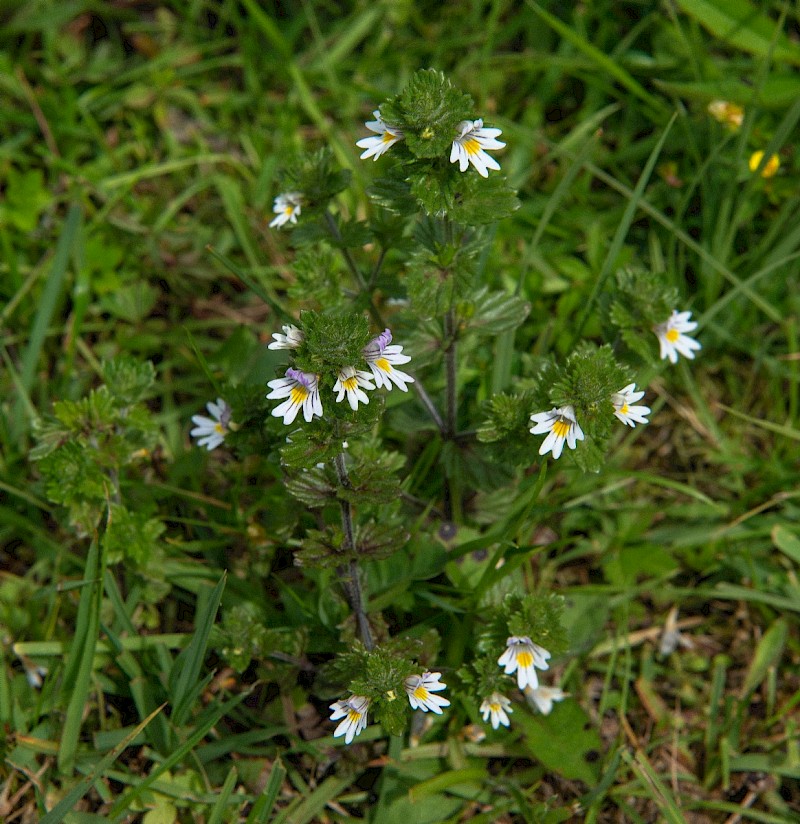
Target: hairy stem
449	433
451	389
349	573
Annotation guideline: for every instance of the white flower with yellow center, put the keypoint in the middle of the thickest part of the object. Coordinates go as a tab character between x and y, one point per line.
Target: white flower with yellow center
384	138
286	208
543	697
469	147
421	689
561	426
301	392
211	432
624	410
727	113
291	338
498	707
382	358
672	339
354	712
523	656
352	382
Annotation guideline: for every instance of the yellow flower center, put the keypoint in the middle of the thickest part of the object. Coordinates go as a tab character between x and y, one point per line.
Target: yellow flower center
494	707
353	716
383	365
623	410
421	694
350	383
219	428
299	394
472	146
561	428
524	657
289	210
672	335
387	137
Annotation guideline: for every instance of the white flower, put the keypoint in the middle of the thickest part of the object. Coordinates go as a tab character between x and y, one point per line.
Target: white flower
560	424
352	382
629	415
730	114
498	707
469	147
381	359
354	712
671	637
301	391
33	672
523	656
420	688
291	338
542	697
673	341
211	432
286	208
384	138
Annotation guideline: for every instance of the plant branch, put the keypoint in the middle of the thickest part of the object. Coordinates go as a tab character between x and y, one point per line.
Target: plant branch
451	388
349	574
365	289
451	502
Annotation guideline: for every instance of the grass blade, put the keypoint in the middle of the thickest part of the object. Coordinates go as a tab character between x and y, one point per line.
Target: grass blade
741	24
78	671
218	811
767	654
622	230
655	787
52	292
66	804
251	283
603	61
186	670
262	809
124	802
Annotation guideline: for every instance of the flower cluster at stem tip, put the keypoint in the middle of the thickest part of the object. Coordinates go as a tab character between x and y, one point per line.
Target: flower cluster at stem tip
560	424
521	656
300	390
470	143
421	691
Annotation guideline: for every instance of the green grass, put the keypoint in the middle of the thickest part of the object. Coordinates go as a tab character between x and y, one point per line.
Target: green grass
140	150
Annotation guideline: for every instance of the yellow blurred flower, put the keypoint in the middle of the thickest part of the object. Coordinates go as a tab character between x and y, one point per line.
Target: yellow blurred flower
770	167
727	113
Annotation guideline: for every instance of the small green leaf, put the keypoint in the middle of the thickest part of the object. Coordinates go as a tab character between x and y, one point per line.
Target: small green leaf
787	542
565	741
493	312
768	653
394	195
24	199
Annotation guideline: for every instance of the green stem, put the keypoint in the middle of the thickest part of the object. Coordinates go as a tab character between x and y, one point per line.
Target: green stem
451	388
365	289
348	258
349	573
451	494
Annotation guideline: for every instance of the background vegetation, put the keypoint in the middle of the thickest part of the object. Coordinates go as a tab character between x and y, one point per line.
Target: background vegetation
133	136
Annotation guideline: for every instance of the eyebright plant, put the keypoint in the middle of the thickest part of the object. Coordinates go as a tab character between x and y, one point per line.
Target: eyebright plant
400	301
